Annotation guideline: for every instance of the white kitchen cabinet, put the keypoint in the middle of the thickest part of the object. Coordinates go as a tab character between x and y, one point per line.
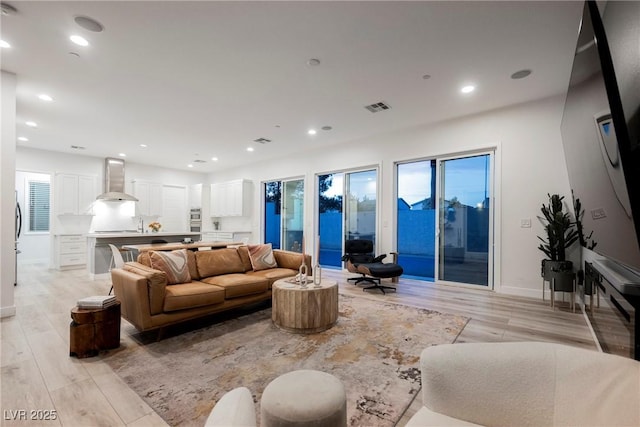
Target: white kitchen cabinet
195	196
149	195
70	251
227	236
231	198
75	194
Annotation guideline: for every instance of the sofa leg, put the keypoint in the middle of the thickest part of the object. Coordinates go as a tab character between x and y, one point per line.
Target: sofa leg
160	334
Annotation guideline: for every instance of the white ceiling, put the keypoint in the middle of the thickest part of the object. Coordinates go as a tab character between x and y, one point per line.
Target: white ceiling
199	79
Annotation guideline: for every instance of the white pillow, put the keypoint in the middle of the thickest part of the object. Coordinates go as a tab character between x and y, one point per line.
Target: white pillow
235	408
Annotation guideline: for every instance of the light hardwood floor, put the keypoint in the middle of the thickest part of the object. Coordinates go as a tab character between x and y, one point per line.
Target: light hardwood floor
38	374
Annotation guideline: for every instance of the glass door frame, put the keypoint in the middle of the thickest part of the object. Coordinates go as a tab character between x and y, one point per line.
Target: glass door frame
492	217
316	206
282	216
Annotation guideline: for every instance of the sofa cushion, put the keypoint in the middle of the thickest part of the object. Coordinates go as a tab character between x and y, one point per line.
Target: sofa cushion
191	295
262	257
156	284
144	258
273	274
174	264
193	268
238	285
219	261
243	251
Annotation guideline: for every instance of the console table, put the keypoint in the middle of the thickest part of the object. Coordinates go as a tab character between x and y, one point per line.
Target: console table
304	310
616	319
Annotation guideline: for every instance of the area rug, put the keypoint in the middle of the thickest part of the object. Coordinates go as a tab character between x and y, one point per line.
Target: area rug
374	349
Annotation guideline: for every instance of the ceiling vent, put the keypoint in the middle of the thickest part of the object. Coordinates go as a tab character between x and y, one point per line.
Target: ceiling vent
378	106
262	140
199	161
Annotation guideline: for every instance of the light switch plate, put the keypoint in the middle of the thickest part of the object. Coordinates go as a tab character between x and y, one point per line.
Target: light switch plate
525	223
598	213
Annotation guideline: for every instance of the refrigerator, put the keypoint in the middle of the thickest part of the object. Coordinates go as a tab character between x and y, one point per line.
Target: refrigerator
18	231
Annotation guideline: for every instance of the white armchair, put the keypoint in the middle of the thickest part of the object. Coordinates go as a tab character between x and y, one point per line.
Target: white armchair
526	384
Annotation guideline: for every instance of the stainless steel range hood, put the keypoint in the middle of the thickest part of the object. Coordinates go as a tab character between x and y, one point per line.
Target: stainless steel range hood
114	182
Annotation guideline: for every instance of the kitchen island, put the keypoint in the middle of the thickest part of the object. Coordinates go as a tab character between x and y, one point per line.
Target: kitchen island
99	252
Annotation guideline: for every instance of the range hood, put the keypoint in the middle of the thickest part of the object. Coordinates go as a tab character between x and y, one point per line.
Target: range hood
114	182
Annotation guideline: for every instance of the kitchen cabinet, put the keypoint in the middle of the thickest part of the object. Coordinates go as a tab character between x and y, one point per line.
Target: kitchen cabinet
231	198
195	196
70	251
75	194
227	236
149	195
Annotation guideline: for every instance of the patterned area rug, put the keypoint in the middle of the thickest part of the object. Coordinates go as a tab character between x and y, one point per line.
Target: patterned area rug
374	349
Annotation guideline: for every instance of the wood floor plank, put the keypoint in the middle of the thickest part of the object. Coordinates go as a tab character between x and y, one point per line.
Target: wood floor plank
23	389
82	403
128	405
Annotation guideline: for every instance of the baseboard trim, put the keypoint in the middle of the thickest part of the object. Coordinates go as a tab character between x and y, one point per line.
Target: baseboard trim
7	311
521	292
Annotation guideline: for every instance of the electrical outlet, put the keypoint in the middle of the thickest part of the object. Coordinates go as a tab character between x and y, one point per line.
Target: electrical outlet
525	223
598	213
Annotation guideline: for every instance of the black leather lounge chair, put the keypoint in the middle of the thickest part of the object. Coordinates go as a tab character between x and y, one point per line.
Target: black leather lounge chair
360	259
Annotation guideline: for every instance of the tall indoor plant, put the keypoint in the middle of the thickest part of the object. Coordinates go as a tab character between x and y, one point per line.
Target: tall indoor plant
561	234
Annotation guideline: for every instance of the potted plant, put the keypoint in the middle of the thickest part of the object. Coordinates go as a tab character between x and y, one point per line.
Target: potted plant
560	235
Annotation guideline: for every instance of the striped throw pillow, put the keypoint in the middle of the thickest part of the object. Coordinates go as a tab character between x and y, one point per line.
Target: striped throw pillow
173	264
261	257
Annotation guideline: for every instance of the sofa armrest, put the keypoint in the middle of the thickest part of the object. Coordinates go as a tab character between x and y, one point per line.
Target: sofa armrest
292	260
141	291
235	408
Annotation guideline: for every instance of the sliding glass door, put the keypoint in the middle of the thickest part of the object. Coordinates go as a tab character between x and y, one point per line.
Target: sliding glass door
284	214
464	234
445	219
416	218
347	209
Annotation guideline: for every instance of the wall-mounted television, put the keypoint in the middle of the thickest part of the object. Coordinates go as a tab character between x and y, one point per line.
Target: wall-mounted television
601	128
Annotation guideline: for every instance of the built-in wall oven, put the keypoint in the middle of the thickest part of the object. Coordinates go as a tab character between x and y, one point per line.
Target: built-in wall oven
195	220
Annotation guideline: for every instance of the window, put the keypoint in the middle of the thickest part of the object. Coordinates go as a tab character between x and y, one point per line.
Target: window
38	205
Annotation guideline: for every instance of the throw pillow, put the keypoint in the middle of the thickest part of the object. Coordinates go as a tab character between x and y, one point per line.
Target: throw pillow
173	264
262	257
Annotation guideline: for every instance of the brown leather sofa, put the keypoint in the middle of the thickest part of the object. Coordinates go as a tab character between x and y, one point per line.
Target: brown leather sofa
221	279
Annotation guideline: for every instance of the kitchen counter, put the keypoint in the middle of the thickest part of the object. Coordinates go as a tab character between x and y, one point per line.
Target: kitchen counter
119	234
99	252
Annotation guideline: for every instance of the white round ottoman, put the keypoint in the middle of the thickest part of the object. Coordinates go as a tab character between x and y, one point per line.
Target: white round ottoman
304	398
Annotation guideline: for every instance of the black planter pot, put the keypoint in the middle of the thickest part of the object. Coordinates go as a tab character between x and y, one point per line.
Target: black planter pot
561	272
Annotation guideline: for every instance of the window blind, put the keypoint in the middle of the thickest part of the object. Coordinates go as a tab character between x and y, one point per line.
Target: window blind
38	206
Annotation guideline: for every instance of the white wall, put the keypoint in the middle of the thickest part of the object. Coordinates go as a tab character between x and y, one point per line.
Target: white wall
530	164
7	186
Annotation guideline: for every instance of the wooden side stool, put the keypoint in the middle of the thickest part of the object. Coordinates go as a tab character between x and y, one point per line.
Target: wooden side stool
94	329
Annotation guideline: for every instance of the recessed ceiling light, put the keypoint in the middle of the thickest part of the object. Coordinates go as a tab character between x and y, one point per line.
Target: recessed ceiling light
7	9
312	132
520	74
122	155
467	89
31	124
215	159
45	97
189	165
23	138
89	23
326	128
313	62
79	40
4	44
143	145
249	149
426	76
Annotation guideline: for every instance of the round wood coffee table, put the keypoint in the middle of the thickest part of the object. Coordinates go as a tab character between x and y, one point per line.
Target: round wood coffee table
304	310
